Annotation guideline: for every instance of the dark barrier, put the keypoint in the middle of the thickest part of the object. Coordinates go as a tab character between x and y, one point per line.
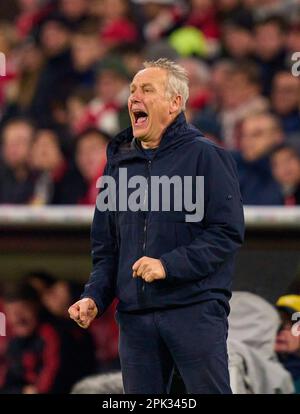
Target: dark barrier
57	240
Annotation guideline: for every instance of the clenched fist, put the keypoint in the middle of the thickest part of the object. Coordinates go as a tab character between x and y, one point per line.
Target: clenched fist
148	269
83	312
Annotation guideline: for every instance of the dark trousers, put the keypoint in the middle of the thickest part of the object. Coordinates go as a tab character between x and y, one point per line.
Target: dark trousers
192	337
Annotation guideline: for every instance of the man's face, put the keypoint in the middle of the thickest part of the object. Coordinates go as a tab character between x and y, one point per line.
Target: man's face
21	318
17	139
286	342
73	9
238	41
57	298
46	154
149	108
286	167
259	135
269	40
90	152
85	51
285	93
55	38
237	90
109	85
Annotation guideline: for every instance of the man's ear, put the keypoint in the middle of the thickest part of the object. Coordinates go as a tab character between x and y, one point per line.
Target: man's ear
175	104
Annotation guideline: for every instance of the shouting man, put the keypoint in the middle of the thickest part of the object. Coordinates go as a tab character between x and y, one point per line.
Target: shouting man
171	275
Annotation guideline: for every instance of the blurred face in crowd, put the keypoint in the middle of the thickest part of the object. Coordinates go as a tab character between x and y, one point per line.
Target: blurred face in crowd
17	141
238	41
286	167
285	93
286	342
29	5
46	154
7	37
155	9
293	40
269	40
109	85
31	58
76	109
219	75
201	5
237	90
73	9
57	298
227	5
55	37
259	135
85	50
150	108
115	9
21	317
90	153
199	77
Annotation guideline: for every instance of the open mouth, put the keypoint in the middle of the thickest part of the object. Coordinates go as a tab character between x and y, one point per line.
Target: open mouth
140	118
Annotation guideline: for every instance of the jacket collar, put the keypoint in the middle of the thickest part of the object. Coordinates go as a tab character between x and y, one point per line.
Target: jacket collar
124	146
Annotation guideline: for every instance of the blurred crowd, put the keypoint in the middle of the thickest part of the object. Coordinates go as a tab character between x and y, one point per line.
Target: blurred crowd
44	351
69	64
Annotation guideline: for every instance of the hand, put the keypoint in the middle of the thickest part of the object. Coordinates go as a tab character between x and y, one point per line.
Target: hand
148	269
83	312
29	389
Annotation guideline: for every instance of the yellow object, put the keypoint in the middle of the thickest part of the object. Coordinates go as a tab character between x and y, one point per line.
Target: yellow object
289	301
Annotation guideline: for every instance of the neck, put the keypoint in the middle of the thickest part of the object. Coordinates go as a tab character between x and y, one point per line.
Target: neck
151	144
155	142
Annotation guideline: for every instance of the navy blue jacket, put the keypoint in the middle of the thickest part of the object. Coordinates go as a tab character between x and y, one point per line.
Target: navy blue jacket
198	257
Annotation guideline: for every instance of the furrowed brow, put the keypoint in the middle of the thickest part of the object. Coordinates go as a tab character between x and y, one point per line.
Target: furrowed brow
147	85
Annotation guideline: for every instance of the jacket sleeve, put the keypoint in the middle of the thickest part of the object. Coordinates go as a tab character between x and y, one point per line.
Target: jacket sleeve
223	223
101	284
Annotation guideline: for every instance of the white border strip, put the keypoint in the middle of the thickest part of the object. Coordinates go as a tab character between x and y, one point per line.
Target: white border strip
73	216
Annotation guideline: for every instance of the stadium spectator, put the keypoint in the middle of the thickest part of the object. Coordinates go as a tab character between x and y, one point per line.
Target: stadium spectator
23	87
48	160
76	108
285	98
292	40
33	354
285	162
287	342
270	38
16	177
55	296
8	45
160	17
86	52
240	97
199	84
237	37
260	134
56	78
117	25
203	16
108	110
79	184
31	14
75	12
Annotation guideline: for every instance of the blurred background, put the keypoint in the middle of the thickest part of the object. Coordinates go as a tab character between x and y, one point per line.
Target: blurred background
62	99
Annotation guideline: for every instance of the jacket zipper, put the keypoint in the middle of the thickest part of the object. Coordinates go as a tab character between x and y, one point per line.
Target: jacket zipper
146	199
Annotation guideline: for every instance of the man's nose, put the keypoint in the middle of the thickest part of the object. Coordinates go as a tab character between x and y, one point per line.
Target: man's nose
135	97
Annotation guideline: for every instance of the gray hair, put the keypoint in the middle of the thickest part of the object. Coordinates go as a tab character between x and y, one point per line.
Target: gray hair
177	80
